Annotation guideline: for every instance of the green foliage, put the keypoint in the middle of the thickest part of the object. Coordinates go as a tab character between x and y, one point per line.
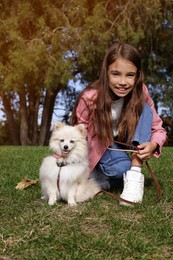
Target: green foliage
97	229
46	43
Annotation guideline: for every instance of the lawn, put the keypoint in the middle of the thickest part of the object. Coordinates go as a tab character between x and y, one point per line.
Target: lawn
97	229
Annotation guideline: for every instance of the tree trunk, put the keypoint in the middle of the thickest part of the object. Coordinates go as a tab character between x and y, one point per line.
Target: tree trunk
35	122
48	107
34	101
24	126
10	119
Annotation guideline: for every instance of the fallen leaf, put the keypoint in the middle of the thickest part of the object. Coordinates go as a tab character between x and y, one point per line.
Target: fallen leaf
25	183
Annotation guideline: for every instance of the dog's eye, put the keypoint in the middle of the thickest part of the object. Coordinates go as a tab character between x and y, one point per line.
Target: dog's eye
61	140
71	141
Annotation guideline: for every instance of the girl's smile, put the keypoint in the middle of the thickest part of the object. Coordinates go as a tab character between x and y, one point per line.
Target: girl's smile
122	75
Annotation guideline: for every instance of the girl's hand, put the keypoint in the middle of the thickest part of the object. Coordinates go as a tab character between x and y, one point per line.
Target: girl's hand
146	150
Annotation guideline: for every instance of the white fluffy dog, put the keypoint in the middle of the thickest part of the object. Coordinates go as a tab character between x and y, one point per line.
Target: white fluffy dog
65	174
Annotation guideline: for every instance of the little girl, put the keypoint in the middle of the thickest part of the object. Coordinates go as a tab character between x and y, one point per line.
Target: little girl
118	107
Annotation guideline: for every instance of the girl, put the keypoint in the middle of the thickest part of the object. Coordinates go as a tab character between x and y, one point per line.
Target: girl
117	106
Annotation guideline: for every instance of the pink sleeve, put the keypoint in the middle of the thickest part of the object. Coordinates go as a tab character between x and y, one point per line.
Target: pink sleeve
158	133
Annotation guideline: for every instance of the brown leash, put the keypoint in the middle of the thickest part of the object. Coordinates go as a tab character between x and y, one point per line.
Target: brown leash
58	179
134	150
60	165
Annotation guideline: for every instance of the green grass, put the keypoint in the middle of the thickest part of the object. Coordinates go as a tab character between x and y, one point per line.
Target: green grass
97	229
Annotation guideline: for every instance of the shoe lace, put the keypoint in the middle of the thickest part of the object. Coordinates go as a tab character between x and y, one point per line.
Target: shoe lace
133	186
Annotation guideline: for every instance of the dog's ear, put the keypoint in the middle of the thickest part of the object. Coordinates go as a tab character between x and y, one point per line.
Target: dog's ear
82	129
56	125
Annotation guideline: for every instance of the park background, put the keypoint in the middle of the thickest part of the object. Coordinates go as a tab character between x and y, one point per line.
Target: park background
50	50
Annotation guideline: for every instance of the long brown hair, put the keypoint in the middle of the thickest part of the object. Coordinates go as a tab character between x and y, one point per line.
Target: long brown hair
100	109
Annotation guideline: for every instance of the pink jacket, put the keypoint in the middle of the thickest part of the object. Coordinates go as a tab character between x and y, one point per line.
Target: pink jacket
96	148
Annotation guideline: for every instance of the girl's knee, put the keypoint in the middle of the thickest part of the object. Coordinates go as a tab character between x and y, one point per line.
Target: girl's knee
121	168
147	110
116	170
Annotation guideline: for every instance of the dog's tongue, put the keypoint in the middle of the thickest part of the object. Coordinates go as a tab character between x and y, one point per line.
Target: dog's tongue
65	151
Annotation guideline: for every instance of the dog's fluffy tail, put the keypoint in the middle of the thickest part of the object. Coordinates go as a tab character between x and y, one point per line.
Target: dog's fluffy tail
87	190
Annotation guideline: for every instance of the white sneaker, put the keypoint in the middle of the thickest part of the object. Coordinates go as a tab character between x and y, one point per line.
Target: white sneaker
133	187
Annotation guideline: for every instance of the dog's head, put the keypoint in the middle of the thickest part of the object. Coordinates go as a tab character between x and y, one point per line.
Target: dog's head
66	138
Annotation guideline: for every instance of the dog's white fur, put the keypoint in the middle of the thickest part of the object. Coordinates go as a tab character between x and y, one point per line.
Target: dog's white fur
69	143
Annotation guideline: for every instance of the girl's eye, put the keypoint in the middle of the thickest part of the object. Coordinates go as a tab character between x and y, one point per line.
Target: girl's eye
131	75
115	73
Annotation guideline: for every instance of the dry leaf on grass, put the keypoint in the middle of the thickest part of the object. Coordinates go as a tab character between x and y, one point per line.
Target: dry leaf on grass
25	183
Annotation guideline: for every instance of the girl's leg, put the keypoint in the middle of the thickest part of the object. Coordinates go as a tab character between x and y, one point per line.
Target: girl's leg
134	179
143	129
143	132
113	164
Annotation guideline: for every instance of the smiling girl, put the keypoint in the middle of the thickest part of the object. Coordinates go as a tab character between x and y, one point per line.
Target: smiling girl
117	107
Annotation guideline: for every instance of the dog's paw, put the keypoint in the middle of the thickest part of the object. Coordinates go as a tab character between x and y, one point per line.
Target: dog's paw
51	201
72	203
43	198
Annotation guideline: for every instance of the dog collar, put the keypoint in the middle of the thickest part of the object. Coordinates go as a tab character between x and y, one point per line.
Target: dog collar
61	164
57	156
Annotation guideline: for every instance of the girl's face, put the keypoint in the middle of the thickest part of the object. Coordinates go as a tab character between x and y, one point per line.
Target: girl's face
122	76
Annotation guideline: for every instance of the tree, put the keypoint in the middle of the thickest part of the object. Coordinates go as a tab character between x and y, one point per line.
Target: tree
34	66
45	43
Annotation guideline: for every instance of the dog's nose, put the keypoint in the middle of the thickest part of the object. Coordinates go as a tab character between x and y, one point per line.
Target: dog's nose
65	147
